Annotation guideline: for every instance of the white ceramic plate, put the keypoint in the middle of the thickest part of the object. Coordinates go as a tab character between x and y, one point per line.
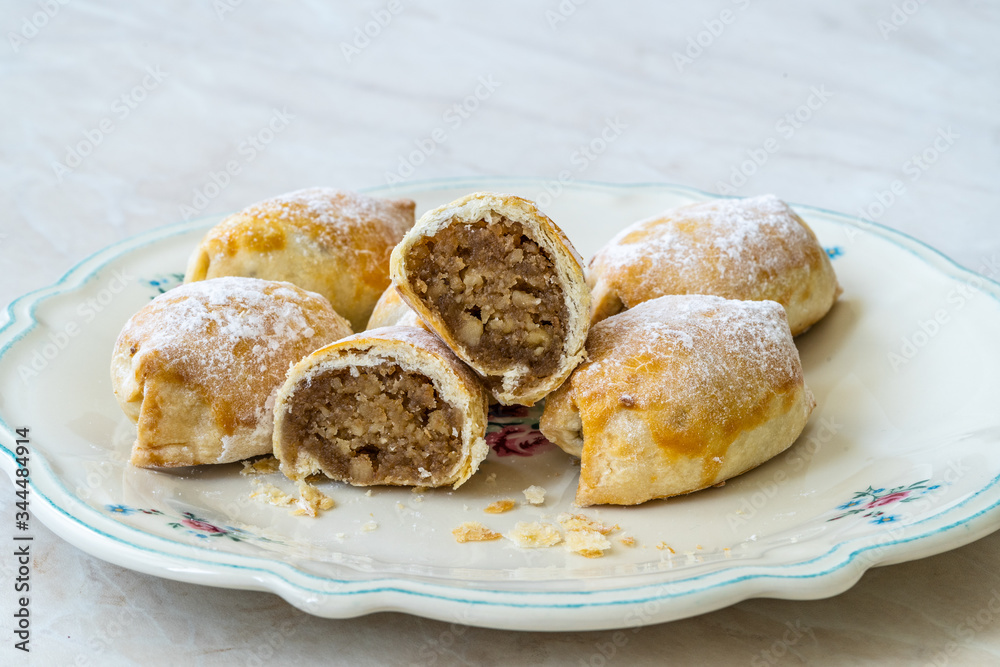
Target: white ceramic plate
899	461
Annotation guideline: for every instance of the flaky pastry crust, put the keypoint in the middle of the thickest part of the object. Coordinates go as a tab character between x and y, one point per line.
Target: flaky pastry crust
754	249
332	242
198	367
678	394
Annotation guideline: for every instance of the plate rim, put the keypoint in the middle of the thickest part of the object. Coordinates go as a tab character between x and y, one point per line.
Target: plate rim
285	579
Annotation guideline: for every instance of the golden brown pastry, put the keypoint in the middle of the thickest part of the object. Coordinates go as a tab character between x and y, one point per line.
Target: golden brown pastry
392	311
389	406
199	366
502	285
678	394
755	249
328	241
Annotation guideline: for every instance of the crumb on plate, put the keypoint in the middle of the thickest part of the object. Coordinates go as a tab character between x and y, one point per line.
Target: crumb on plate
535	495
581	522
473	531
267	465
534	535
311	500
500	506
589	543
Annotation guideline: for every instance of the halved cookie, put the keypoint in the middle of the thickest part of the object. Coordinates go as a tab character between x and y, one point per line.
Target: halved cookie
754	249
678	394
332	242
501	284
199	366
389	406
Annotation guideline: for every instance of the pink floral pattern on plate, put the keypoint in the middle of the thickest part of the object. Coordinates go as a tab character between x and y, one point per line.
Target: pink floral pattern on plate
513	430
867	503
192	524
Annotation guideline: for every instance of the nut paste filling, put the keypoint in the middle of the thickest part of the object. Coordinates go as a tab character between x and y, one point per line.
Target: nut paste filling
496	289
377	425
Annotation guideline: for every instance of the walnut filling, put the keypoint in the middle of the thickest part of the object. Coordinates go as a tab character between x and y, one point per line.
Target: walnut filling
497	291
377	425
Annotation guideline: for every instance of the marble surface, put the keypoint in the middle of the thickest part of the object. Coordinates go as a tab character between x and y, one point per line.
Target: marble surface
119	118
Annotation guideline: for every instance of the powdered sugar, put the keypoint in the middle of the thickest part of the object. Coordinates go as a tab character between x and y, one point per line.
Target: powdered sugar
330	206
729	247
690	348
232	339
211	319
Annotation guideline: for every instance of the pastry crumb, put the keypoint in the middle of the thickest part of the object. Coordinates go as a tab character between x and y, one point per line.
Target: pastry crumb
663	546
535	495
368	493
584	535
588	543
534	535
628	541
272	495
491	478
267	465
581	522
312	501
473	531
369	527
500	506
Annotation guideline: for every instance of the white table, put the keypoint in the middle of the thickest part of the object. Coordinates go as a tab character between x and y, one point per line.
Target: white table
119	118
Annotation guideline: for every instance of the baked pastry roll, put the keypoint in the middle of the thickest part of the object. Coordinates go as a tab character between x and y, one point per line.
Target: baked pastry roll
392	311
502	285
331	242
754	249
389	406
198	367
678	394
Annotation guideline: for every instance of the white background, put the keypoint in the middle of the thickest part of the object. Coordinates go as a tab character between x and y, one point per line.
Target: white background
885	81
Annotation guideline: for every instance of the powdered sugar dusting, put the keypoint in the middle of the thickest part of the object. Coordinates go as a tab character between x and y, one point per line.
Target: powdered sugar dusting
233	338
690	350
329	206
730	247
